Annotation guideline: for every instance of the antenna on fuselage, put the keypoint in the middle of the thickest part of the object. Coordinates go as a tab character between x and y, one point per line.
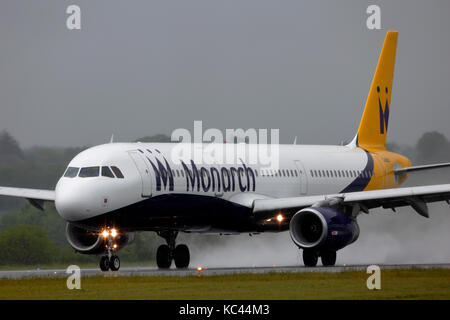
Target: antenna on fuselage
295	140
112	139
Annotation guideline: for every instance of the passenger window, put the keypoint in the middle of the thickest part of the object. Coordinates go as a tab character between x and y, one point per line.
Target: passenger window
106	172
88	172
117	172
71	172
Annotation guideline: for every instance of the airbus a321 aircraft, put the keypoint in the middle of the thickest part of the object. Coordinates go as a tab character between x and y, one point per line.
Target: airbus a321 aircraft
110	191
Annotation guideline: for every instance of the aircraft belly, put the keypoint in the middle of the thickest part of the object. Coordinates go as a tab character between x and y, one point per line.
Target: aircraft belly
179	211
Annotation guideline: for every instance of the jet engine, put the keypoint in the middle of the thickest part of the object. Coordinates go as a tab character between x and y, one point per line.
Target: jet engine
323	228
92	242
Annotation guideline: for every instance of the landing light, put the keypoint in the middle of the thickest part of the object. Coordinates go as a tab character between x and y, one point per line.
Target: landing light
113	233
280	218
105	233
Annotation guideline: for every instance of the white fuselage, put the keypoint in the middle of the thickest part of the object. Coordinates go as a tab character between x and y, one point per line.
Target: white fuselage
302	170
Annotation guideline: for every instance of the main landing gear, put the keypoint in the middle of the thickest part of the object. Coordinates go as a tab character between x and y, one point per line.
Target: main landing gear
110	261
310	257
170	251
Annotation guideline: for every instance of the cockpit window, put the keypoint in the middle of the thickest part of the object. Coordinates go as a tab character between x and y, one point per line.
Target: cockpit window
89	172
71	172
117	172
106	172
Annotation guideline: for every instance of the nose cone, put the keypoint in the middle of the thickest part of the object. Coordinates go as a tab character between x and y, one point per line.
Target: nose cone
73	200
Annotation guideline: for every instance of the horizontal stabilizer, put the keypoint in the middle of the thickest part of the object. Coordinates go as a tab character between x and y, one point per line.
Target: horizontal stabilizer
420	168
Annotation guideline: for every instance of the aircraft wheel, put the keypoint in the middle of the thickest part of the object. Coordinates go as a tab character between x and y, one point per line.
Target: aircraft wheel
104	263
310	258
163	259
114	263
328	257
181	256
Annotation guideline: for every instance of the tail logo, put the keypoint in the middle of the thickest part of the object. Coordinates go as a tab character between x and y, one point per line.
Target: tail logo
384	115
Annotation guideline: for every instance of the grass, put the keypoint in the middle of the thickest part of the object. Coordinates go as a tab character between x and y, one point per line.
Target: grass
395	284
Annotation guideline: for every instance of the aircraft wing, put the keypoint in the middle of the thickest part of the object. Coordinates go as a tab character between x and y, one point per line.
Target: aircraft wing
35	196
416	197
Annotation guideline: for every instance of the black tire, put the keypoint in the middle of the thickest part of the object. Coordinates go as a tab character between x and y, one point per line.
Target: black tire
104	263
163	259
182	256
328	258
114	263
310	258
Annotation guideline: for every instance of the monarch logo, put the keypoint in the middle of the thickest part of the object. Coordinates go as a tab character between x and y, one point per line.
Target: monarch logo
384	115
163	174
226	179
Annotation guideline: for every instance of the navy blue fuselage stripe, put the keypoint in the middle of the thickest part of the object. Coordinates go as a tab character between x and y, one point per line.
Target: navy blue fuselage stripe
363	179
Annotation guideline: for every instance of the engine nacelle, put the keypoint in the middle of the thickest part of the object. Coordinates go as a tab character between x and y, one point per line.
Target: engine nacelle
91	242
322	227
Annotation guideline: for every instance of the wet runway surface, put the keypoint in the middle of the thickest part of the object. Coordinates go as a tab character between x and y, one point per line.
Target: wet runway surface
153	271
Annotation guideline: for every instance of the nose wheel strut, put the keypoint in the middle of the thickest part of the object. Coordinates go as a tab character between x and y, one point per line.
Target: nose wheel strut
170	251
109	261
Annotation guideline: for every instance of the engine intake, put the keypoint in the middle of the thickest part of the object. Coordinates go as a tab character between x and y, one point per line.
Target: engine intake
91	242
321	227
83	240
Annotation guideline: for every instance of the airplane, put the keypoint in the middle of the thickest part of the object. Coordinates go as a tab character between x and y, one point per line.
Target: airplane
111	191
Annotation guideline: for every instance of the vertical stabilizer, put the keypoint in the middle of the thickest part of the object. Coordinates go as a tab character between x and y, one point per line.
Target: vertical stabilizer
373	127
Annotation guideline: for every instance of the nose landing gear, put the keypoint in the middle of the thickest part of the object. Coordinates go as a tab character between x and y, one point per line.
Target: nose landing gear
170	251
110	261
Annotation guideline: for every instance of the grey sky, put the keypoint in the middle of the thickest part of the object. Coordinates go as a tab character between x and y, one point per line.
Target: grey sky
144	67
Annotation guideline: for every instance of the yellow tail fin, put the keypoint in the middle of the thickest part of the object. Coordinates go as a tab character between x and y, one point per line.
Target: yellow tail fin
374	122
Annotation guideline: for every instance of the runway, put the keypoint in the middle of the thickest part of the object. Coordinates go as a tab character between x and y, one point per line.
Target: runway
153	271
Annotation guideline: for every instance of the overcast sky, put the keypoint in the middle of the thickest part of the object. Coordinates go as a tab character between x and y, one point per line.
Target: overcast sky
139	68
